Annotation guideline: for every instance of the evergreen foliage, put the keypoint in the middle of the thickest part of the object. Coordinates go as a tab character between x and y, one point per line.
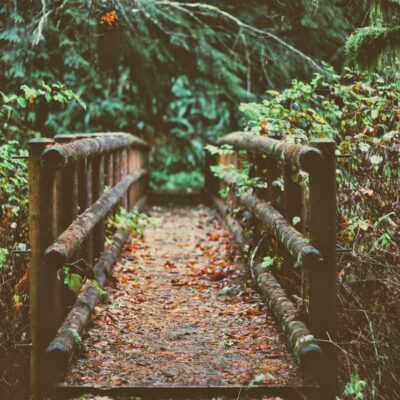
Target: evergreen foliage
170	71
377	47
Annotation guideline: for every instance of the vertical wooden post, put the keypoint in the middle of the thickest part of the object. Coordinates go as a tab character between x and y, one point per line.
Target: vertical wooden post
145	165
261	171
293	207
109	174
42	279
98	190
323	297
116	168
256	162
226	160
207	172
85	200
211	182
124	172
133	157
108	170
65	211
273	191
292	195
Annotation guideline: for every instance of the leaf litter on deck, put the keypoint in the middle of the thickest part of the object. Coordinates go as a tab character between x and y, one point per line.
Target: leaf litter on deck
182	311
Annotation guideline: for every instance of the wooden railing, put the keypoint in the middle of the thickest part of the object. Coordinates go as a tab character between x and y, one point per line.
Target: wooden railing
311	245
75	183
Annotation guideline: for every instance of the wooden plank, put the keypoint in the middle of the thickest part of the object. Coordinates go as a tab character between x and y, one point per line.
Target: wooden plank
151	391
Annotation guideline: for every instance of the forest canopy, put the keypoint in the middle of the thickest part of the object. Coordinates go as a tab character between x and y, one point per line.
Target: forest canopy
171	71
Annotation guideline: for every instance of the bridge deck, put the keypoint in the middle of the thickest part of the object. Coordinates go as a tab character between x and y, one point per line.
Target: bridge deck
182	313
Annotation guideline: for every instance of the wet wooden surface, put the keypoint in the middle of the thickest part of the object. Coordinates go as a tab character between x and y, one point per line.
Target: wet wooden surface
183	311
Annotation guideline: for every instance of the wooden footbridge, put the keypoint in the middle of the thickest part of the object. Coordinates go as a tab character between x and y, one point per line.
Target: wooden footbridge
183	319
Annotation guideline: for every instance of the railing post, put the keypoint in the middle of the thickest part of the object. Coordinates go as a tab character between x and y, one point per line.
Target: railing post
256	161
293	207
323	297
116	169
98	190
133	158
65	211
225	160
108	169
145	165
292	196
273	190
85	200
211	181
124	172
42	279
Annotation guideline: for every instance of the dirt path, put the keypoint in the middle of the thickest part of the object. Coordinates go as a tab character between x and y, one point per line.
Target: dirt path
182	311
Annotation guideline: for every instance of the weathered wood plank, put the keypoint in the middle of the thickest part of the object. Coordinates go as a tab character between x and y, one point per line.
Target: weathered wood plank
193	391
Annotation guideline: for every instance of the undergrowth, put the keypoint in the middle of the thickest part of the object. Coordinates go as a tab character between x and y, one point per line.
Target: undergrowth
363	116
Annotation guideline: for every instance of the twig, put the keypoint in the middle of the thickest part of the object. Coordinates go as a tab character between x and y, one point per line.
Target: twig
250	28
38	36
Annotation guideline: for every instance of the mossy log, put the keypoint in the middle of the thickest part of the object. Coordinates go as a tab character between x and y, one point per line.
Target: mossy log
61	155
304	157
62	347
65	245
303	343
298	246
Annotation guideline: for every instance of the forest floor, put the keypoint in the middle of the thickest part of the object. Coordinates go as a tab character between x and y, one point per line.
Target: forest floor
183	311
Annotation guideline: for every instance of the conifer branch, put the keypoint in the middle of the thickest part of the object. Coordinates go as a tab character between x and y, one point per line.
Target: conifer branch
243	26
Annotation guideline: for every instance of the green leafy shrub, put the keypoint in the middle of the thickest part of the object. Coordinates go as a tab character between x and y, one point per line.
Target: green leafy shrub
362	114
134	221
18	115
355	388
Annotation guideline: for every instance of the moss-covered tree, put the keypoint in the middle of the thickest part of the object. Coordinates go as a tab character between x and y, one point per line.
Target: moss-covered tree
377	47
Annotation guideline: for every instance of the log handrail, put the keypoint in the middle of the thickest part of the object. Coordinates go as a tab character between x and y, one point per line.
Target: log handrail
68	208
62	250
298	246
61	155
313	242
304	157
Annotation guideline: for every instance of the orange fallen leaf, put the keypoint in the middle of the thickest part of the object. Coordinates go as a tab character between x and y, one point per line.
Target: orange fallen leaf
213	236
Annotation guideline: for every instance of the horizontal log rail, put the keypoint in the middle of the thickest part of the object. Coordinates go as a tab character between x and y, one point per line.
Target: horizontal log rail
59	156
298	246
304	157
311	242
63	249
69	204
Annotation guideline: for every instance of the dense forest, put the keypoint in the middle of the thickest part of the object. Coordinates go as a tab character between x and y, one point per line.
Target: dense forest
180	74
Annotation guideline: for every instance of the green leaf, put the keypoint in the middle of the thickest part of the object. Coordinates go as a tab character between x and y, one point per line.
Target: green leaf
73	281
267	263
22	102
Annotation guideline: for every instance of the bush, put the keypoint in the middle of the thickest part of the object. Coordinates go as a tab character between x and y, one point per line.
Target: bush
363	116
18	113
